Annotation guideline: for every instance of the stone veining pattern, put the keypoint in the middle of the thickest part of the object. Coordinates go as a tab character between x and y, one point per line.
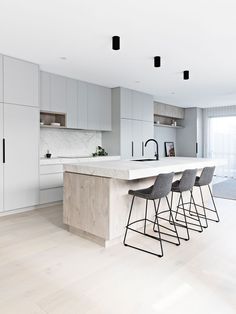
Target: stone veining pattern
69	142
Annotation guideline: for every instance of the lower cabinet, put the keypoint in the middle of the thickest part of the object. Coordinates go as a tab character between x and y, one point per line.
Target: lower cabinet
20	184
51	183
134	134
1	156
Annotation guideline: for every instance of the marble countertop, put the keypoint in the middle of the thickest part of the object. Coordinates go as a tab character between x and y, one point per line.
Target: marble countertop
74	160
131	170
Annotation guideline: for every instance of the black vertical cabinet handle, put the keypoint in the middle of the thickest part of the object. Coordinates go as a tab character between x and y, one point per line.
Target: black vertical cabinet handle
132	145
3	151
196	148
142	148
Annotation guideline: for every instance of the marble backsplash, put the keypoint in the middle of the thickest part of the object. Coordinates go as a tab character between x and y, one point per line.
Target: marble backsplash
68	142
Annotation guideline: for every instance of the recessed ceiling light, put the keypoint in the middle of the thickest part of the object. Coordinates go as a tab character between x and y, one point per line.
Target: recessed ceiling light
63	58
137	82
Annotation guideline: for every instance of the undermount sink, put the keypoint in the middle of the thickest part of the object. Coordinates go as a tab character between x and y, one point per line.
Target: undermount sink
147	159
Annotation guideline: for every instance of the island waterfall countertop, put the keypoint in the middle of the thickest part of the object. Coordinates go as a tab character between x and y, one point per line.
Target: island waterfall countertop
131	170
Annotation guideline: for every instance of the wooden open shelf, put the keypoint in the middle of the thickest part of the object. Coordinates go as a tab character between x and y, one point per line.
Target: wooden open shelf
48	117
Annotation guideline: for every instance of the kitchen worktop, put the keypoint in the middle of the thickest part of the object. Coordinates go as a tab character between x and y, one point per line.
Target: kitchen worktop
131	170
74	160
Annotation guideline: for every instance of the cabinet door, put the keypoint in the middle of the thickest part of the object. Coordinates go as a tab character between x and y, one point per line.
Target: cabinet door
147	133
1	157
126	139
126	103
71	103
21	82
1	78
82	105
93	107
137	138
58	93
104	108
45	87
147	108
21	169
137	105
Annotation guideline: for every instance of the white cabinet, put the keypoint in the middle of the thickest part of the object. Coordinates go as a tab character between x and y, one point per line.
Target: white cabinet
45	88
1	156
21	168
71	103
1	78
170	111
126	139
87	106
135	105
189	140
58	93
21	81
99	107
93	107
82	105
133	135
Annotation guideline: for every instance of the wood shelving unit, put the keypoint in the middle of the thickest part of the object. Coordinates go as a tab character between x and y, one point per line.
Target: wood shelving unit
48	117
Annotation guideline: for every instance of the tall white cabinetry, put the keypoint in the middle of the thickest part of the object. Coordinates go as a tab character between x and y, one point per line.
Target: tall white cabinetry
19	132
132	124
189	140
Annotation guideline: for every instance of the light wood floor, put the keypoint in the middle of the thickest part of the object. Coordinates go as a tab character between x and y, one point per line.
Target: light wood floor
45	269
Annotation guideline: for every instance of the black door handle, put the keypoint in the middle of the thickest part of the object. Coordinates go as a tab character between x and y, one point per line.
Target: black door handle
3	151
132	148
142	149
196	148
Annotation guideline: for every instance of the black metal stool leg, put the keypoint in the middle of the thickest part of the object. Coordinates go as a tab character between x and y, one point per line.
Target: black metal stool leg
171	215
177	209
185	219
195	206
145	219
204	208
130	212
156	212
213	201
158	227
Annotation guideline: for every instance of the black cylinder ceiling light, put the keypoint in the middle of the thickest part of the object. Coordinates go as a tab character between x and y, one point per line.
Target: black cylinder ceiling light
157	61
116	43
186	75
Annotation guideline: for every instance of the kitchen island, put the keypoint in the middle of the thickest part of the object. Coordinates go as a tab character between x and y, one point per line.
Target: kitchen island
96	200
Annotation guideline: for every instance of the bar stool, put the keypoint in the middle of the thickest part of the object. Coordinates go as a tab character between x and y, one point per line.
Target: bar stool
159	190
205	179
185	184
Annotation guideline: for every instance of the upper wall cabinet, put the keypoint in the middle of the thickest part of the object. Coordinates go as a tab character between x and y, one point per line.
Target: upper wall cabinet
87	106
1	78
58	93
165	110
21	81
135	105
82	105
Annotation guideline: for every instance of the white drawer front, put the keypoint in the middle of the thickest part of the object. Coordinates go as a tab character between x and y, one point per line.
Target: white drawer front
47	169
48	181
51	195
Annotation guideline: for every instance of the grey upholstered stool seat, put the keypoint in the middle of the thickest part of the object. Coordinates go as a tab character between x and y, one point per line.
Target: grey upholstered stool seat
205	179
185	184
160	189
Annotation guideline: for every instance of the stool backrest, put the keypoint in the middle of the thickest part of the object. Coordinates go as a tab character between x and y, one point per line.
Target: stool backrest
187	180
162	185
206	175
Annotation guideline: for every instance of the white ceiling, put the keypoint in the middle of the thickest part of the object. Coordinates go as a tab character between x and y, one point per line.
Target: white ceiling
199	36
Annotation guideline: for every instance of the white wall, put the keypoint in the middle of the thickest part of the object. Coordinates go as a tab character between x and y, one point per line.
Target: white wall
69	142
162	135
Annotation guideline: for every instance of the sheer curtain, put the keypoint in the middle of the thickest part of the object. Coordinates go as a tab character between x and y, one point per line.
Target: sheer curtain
222	143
